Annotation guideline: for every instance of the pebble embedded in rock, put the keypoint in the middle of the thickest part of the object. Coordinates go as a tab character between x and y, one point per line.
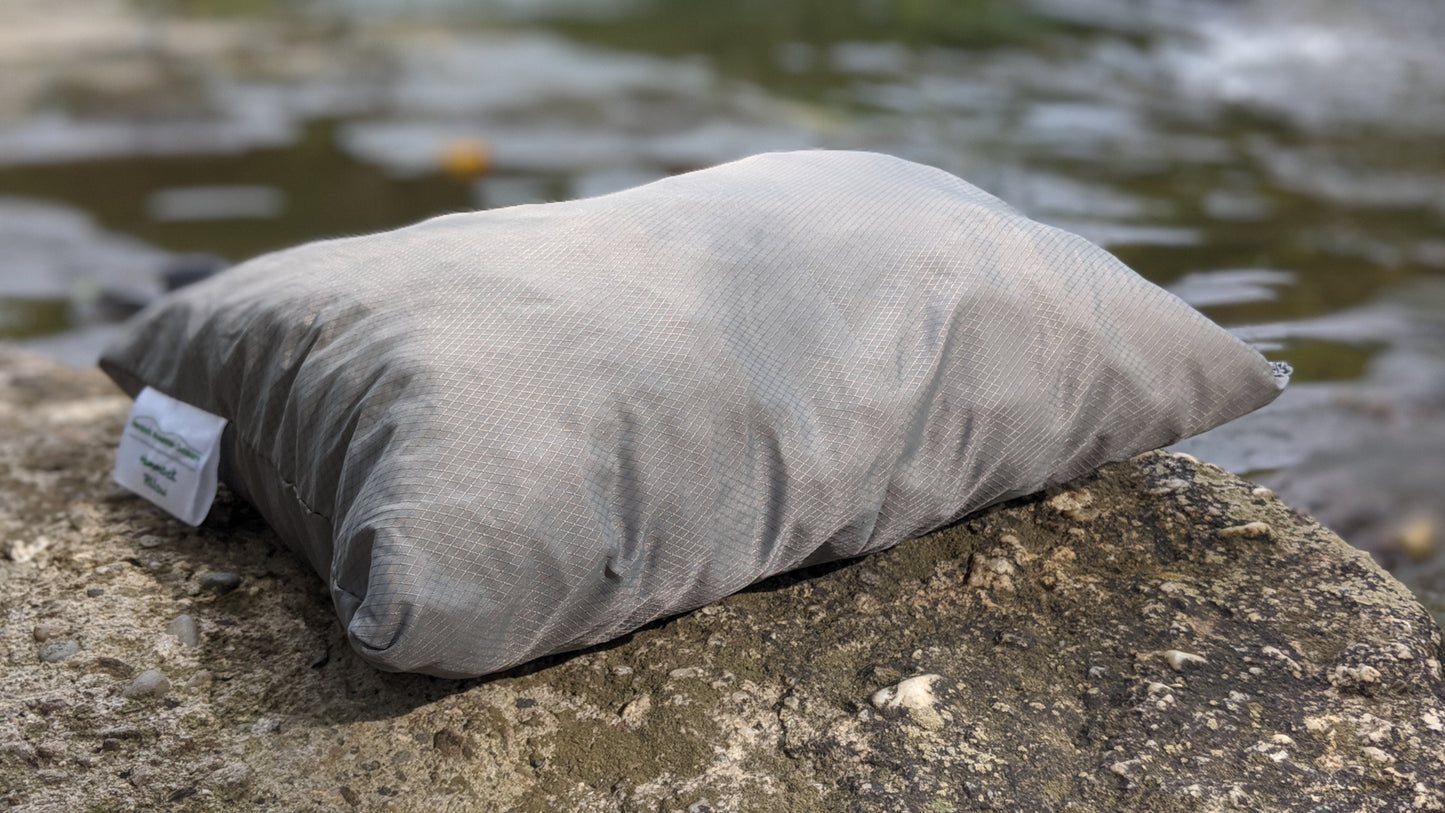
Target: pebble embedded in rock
991	572
220	582
635	712
916	695
184	628
1353	676
1433	722
148	685
21	551
45	630
1251	530
57	650
1178	659
1377	754
1075	505
1173	485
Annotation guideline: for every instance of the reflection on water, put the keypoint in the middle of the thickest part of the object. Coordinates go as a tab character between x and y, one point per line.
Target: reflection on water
1276	164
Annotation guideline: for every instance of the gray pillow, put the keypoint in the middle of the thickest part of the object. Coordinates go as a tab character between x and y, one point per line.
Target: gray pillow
499	435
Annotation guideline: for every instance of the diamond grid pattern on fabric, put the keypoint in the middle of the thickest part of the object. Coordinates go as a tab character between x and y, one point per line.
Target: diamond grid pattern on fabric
501	435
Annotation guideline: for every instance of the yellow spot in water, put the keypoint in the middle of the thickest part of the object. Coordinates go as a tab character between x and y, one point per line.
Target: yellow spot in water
466	158
1418	537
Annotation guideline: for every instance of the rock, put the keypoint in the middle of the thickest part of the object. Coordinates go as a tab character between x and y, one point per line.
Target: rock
219	582
184	628
1043	653
148	685
58	649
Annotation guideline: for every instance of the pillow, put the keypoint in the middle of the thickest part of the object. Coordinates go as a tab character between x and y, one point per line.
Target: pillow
504	434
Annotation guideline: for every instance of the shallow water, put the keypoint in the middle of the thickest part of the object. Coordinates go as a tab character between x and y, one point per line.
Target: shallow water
1278	164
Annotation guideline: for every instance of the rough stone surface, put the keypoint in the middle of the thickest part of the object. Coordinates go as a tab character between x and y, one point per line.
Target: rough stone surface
1054	630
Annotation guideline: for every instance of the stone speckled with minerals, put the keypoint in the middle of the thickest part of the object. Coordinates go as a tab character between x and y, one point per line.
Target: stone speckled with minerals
1159	636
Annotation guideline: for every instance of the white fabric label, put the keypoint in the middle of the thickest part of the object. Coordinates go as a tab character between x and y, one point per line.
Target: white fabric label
169	454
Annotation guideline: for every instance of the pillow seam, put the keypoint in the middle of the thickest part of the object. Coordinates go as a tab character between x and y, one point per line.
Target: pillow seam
288	484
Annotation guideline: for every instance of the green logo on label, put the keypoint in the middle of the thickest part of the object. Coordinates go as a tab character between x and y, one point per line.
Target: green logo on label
168	472
153	484
151	428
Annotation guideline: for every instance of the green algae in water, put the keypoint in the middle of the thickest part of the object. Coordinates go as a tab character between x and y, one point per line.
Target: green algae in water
22	317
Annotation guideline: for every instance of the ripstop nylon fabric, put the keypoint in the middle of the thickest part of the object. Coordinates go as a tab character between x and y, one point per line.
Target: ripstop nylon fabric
504	434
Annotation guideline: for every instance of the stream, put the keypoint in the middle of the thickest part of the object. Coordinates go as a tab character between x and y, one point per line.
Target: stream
1276	163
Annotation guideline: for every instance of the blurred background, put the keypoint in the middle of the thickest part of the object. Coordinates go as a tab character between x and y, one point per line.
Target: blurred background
1280	164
